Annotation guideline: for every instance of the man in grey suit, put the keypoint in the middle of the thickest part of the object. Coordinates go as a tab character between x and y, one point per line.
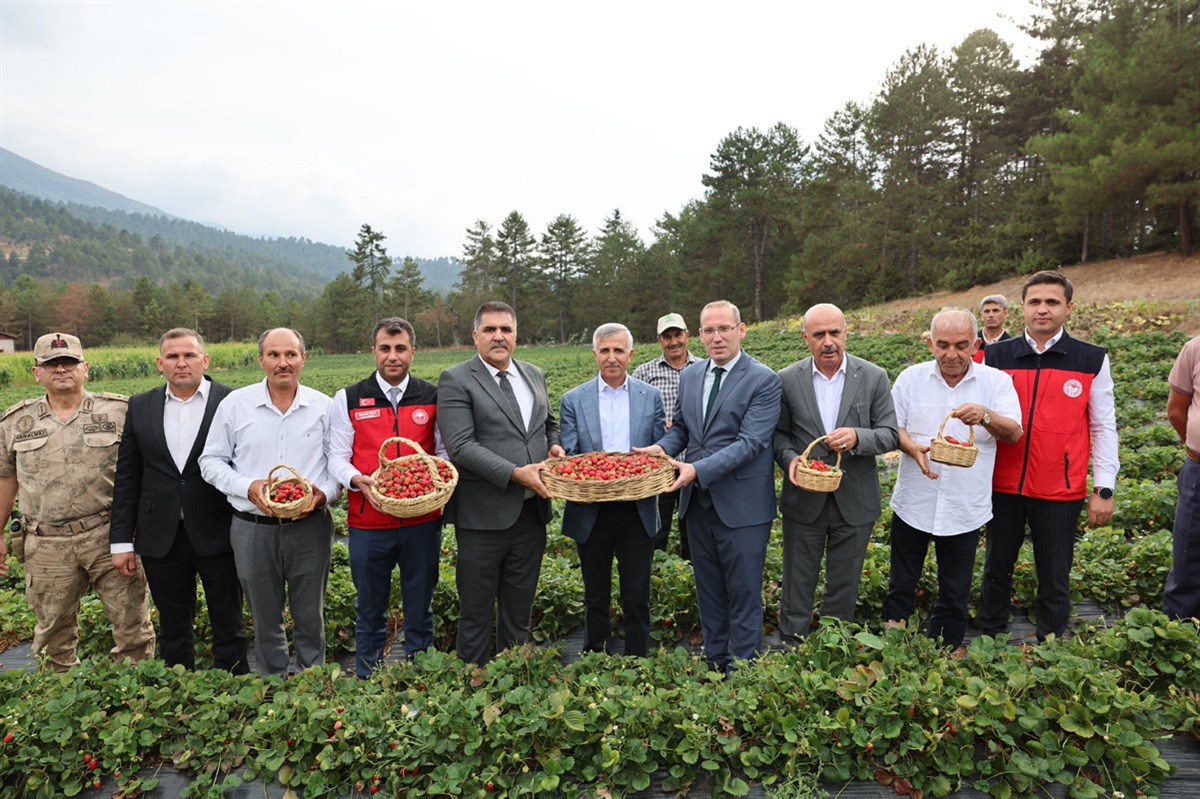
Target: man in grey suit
496	422
613	413
847	398
727	408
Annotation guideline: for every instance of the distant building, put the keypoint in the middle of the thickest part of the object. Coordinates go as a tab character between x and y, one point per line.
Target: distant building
8	342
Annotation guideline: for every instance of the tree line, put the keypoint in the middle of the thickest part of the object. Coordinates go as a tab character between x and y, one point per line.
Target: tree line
964	167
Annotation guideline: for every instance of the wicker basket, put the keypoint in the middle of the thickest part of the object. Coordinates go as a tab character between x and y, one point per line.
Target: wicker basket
943	451
287	510
803	476
638	486
408	508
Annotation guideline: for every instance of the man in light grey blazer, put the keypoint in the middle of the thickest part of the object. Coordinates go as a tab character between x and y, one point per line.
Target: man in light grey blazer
834	393
495	418
613	413
727	409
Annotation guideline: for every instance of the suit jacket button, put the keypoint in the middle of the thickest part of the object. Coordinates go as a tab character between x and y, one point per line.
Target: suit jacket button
183	482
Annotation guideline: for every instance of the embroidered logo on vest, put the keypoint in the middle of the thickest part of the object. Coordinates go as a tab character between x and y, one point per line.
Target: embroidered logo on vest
1072	388
366	402
420	416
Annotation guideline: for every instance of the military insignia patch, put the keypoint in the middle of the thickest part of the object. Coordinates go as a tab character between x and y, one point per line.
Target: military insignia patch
24	424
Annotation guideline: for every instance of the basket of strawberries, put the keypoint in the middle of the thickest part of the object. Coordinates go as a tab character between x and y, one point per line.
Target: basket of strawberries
816	475
607	476
287	497
412	485
951	451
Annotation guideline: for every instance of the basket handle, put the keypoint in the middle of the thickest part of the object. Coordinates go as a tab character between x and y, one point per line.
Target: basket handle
271	481
418	450
970	429
815	441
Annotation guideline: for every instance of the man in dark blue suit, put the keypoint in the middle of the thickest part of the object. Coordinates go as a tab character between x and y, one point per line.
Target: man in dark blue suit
165	512
613	413
725	417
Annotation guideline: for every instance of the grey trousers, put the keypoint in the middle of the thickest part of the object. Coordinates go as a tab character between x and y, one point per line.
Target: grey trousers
285	563
497	575
843	546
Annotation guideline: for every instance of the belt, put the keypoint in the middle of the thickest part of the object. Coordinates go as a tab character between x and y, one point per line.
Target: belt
270	521
81	525
1193	455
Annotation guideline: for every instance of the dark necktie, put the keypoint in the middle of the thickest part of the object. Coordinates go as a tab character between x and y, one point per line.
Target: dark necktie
712	395
507	390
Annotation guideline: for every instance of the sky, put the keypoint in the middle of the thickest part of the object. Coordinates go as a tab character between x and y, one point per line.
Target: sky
309	119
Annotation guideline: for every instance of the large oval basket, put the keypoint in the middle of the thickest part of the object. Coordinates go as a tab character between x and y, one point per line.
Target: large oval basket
621	489
287	510
943	451
810	479
405	507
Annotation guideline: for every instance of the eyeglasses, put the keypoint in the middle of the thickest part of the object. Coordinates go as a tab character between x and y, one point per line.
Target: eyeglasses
66	364
724	330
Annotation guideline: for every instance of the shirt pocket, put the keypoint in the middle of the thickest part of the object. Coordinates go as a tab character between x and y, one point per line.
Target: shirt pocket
924	421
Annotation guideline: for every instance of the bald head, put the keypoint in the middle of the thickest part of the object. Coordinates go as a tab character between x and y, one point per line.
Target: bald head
823	313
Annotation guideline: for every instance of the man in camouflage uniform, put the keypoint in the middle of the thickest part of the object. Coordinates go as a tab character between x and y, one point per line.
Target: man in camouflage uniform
60	452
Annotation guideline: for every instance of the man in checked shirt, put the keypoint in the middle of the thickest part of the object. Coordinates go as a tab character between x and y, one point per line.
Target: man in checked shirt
663	374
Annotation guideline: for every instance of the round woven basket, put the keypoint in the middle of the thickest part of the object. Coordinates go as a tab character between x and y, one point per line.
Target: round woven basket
943	451
287	510
638	486
804	476
410	507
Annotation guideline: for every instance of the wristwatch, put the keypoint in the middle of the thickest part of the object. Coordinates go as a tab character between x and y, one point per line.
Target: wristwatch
1103	493
987	418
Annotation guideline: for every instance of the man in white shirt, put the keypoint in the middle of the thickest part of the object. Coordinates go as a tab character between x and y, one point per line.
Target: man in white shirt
277	421
935	502
167	514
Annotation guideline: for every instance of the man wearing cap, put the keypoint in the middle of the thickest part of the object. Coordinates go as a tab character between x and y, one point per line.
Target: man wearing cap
663	374
59	451
993	309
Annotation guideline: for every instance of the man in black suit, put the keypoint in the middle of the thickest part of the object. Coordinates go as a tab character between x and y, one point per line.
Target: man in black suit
164	512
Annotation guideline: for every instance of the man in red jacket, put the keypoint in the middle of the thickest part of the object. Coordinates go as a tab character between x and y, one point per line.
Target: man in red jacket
1068	415
390	402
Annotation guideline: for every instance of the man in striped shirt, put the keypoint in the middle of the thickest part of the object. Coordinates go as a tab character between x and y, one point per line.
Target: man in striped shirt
663	374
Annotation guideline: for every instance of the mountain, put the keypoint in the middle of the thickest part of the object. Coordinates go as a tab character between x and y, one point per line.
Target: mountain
24	175
311	262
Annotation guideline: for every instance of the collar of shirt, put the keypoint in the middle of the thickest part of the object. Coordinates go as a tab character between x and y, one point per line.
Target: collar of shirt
385	385
1049	344
688	361
493	371
201	392
972	373
605	388
841	370
727	366
298	401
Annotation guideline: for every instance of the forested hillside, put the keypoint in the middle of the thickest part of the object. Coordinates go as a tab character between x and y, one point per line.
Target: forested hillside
964	168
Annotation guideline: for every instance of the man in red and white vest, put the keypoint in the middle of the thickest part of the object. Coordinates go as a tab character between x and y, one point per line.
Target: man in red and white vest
1068	415
389	403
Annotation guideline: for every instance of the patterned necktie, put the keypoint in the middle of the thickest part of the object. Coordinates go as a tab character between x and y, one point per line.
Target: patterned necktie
712	395
507	390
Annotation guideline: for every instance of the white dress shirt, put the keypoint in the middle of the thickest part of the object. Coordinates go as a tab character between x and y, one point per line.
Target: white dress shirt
250	436
520	388
339	445
829	393
960	500
1102	419
614	416
710	378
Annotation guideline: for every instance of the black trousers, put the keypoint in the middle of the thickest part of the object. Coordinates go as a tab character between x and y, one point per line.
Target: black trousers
172	581
1052	525
955	567
619	533
667	502
497	577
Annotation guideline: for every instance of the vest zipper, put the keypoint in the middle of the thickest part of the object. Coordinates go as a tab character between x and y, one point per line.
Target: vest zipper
1037	378
1067	468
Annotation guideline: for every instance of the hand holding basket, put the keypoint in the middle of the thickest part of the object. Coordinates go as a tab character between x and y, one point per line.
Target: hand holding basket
291	504
820	479
943	450
424	467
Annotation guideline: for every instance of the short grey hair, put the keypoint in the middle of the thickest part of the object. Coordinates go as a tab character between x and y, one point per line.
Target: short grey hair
737	315
611	329
994	299
952	317
263	337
